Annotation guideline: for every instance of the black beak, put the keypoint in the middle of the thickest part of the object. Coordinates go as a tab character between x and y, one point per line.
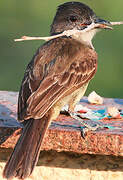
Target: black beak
103	24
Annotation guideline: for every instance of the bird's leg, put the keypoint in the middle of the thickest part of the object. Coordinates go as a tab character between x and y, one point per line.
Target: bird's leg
89	125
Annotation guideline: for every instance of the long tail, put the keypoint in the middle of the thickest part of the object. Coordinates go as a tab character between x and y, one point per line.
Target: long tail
26	152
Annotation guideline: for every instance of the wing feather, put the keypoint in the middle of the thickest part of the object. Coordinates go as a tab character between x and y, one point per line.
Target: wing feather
41	101
54	83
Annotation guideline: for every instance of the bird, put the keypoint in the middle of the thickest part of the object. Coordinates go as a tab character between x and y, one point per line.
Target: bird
58	74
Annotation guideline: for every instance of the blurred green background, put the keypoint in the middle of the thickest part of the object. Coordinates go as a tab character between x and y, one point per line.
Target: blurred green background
33	18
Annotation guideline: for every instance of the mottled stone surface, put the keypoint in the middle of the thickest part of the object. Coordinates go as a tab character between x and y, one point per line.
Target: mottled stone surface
64	134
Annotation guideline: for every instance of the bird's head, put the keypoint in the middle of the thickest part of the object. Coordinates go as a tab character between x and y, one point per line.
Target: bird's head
78	16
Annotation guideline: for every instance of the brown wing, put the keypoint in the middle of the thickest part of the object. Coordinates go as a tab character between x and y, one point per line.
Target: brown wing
55	78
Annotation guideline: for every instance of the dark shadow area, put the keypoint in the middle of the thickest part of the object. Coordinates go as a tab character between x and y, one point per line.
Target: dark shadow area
73	160
5	133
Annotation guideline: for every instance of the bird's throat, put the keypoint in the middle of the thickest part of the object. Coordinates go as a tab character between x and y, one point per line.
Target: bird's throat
86	37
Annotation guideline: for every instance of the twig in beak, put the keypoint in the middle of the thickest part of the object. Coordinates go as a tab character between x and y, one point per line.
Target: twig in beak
68	32
116	23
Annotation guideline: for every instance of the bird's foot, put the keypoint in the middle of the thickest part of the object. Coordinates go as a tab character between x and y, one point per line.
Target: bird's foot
89	125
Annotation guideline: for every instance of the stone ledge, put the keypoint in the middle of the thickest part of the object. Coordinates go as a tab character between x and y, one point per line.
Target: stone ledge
64	134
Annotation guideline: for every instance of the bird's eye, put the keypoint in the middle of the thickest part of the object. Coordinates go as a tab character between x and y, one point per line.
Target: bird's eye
73	18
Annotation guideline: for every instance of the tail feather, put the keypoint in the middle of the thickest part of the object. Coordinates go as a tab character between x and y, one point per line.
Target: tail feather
26	152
